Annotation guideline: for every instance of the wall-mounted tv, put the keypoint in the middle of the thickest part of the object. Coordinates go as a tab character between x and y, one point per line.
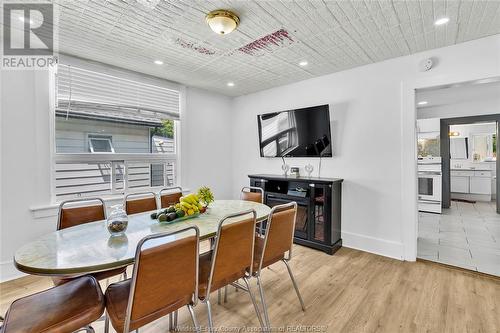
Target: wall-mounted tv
296	133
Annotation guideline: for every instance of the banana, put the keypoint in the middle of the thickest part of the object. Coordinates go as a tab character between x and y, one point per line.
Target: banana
186	204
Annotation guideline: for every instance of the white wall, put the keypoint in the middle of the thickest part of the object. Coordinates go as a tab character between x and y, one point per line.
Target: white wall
206	145
25	156
369	126
25	160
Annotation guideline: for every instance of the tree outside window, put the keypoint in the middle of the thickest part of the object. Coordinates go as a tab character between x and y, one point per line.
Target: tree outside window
166	130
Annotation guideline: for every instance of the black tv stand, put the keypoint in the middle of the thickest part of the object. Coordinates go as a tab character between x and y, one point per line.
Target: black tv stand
319	203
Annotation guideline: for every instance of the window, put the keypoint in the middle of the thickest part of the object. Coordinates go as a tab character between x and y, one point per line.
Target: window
113	134
100	144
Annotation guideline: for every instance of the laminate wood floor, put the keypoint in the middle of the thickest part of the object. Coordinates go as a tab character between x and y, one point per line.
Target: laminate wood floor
351	291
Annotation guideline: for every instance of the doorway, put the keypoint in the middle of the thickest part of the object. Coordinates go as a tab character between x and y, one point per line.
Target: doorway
460	225
480	146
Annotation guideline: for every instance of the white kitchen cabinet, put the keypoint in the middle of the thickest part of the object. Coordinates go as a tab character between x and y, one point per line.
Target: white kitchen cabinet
480	185
460	184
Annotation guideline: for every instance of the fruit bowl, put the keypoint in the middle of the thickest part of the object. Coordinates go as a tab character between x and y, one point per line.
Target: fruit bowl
179	219
188	207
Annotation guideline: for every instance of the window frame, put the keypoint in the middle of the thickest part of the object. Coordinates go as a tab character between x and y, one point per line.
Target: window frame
103	137
126	158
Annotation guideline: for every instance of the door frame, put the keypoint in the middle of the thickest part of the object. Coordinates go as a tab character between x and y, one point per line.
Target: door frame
445	152
409	188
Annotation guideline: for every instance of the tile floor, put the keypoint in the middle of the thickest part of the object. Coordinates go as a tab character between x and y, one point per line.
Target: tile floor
466	235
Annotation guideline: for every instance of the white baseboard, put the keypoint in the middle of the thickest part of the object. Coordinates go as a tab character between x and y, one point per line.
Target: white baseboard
9	272
374	245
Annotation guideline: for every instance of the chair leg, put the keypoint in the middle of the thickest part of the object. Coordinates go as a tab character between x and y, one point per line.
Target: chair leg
106	322
219	297
170	322
263	300
225	294
209	311
295	286
176	317
257	311
193	318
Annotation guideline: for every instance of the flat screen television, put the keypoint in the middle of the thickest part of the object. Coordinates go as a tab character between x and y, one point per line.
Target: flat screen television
296	133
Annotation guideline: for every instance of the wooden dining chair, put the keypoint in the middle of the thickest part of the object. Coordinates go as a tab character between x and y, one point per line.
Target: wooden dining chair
70	307
252	193
170	196
80	211
165	278
229	260
275	246
140	202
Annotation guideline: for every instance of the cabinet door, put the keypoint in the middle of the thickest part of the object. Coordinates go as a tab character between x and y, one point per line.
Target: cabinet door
320	213
459	184
480	185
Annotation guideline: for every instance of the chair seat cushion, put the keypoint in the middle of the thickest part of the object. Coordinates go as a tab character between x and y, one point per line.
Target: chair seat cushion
117	296
257	254
116	303
65	308
204	273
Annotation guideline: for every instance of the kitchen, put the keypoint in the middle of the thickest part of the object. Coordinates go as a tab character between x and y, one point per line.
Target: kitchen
457	130
473	155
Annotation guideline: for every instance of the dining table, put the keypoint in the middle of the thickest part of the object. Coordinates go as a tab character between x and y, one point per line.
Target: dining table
90	248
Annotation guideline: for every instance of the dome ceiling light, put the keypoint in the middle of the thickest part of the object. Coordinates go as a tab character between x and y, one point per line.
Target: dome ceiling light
222	21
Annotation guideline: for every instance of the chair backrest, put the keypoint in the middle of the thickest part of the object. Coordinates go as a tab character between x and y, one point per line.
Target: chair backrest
165	276
170	196
80	211
252	193
140	202
280	229
233	252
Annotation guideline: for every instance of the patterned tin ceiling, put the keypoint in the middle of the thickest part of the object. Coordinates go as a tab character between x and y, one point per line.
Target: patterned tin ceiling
274	36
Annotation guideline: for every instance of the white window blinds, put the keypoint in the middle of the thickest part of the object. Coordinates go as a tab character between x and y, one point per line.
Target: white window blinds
87	92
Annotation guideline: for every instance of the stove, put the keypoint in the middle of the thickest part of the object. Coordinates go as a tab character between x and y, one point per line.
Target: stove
429	184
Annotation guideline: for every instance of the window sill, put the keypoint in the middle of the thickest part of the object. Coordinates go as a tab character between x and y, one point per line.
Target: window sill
49	210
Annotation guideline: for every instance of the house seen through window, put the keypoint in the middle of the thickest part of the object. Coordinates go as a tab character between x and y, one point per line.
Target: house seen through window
112	135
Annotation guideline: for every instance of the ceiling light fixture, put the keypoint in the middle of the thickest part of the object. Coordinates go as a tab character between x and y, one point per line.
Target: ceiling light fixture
454	134
422	103
230	84
303	63
158	62
442	20
222	21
